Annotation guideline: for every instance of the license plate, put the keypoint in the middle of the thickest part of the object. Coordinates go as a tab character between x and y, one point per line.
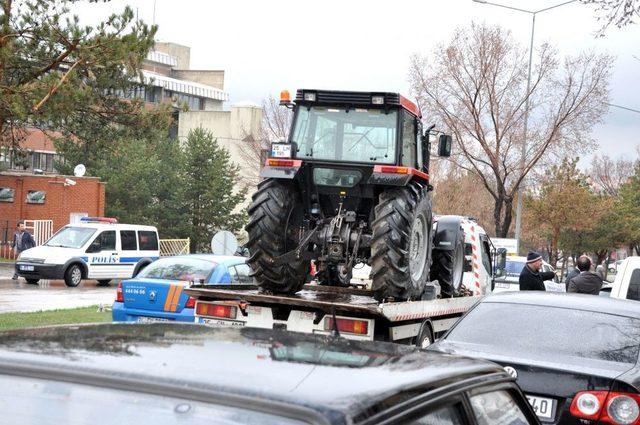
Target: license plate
544	407
218	322
26	268
144	319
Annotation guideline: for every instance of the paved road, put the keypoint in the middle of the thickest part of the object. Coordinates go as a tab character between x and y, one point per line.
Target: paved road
50	294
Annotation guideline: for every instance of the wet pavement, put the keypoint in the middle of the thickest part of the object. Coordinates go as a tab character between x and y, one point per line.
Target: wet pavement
19	296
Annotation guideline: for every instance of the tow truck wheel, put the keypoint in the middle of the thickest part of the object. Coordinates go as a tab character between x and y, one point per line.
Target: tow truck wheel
274	229
425	335
401	246
73	276
32	281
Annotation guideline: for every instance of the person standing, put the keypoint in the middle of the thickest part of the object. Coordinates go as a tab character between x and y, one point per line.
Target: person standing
586	282
22	240
531	279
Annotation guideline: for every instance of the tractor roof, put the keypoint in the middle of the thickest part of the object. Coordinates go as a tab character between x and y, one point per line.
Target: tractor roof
355	98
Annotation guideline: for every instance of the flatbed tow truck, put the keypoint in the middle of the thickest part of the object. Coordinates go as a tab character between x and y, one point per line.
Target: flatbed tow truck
325	310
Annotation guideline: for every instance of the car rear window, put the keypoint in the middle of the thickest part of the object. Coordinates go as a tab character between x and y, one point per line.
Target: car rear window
179	268
147	240
513	329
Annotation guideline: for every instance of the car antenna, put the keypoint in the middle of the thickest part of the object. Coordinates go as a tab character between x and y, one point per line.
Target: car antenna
335	332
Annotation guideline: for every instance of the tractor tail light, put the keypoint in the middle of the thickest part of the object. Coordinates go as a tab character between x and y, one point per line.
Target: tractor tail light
288	163
119	295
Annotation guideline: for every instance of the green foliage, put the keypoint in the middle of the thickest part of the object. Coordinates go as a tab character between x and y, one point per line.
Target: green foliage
61	76
210	189
627	210
70	316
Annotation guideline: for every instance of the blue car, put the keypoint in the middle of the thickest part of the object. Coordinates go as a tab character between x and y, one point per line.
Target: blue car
157	292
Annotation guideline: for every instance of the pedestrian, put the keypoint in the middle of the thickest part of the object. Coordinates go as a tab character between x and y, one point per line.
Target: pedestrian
586	282
572	273
22	240
531	278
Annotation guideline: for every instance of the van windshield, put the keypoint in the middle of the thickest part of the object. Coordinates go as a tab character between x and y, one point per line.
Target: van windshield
71	237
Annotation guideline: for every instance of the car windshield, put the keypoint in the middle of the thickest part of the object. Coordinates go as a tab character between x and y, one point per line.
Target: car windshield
179	268
514	329
513	268
71	237
353	135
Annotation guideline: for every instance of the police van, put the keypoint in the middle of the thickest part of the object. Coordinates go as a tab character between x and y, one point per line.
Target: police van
96	248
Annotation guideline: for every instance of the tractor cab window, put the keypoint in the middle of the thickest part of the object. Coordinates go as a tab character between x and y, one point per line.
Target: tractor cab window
409	140
353	135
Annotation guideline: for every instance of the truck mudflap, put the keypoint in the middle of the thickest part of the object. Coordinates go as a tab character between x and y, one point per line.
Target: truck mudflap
323	310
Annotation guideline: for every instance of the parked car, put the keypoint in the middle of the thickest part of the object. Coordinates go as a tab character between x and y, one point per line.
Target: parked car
156	294
575	356
626	284
96	248
180	373
510	280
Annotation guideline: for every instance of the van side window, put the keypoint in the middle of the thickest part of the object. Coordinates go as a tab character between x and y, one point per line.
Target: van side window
103	242
147	240
128	240
634	286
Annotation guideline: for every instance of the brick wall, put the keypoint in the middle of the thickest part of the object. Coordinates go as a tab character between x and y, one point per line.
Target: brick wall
86	196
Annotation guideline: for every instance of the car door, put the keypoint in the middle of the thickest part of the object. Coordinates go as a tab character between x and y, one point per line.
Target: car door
128	253
103	256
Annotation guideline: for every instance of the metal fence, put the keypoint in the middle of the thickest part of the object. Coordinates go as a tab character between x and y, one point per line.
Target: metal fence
41	230
170	247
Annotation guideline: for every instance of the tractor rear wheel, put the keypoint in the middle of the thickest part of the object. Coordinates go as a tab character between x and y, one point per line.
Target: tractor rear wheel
401	245
274	224
448	268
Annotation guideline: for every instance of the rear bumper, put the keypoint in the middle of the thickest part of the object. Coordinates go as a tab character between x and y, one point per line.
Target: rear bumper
120	313
40	271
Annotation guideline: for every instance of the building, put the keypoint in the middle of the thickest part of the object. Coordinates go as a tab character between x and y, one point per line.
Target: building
62	199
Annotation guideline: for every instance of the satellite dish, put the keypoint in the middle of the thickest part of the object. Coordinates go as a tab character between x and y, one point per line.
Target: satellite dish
79	170
224	243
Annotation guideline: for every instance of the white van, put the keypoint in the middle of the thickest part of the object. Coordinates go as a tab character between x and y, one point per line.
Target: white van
96	248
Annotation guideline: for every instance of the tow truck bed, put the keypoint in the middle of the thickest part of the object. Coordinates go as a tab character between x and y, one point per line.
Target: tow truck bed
401	319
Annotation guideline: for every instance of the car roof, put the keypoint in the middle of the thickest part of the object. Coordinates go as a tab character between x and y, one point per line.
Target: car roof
320	372
112	226
568	300
219	259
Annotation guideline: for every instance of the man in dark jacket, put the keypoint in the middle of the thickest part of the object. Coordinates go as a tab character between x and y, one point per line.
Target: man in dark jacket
531	279
22	240
586	282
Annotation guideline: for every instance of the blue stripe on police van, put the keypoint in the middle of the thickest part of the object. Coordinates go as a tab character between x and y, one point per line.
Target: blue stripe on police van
135	259
85	259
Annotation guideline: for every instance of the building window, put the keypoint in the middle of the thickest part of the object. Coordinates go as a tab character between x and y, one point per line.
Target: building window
36	196
7	194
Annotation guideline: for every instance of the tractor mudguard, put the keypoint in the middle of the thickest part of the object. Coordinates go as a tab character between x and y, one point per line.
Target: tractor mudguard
269	172
447	232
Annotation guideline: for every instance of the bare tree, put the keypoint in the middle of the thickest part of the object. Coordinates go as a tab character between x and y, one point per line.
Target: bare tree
276	121
608	175
475	87
617	12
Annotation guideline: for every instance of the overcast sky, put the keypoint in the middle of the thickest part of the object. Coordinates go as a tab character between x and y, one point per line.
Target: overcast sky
266	46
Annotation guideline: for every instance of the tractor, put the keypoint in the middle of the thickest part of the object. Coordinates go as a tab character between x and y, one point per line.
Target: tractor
351	186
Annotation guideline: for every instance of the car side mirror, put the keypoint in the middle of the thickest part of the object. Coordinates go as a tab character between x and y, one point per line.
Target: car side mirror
444	145
502	261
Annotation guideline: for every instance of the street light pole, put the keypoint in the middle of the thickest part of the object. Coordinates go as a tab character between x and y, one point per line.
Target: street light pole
523	161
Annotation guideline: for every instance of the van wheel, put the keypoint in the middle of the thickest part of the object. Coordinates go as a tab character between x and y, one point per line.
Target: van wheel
104	282
32	281
73	275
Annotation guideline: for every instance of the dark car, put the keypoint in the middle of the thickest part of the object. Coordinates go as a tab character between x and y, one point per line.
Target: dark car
575	356
178	373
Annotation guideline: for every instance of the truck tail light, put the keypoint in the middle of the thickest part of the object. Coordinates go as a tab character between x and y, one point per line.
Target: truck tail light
119	295
191	303
607	407
217	310
352	326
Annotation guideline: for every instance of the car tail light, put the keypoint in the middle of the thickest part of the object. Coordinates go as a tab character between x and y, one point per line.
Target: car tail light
119	295
217	310
352	326
607	407
191	303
